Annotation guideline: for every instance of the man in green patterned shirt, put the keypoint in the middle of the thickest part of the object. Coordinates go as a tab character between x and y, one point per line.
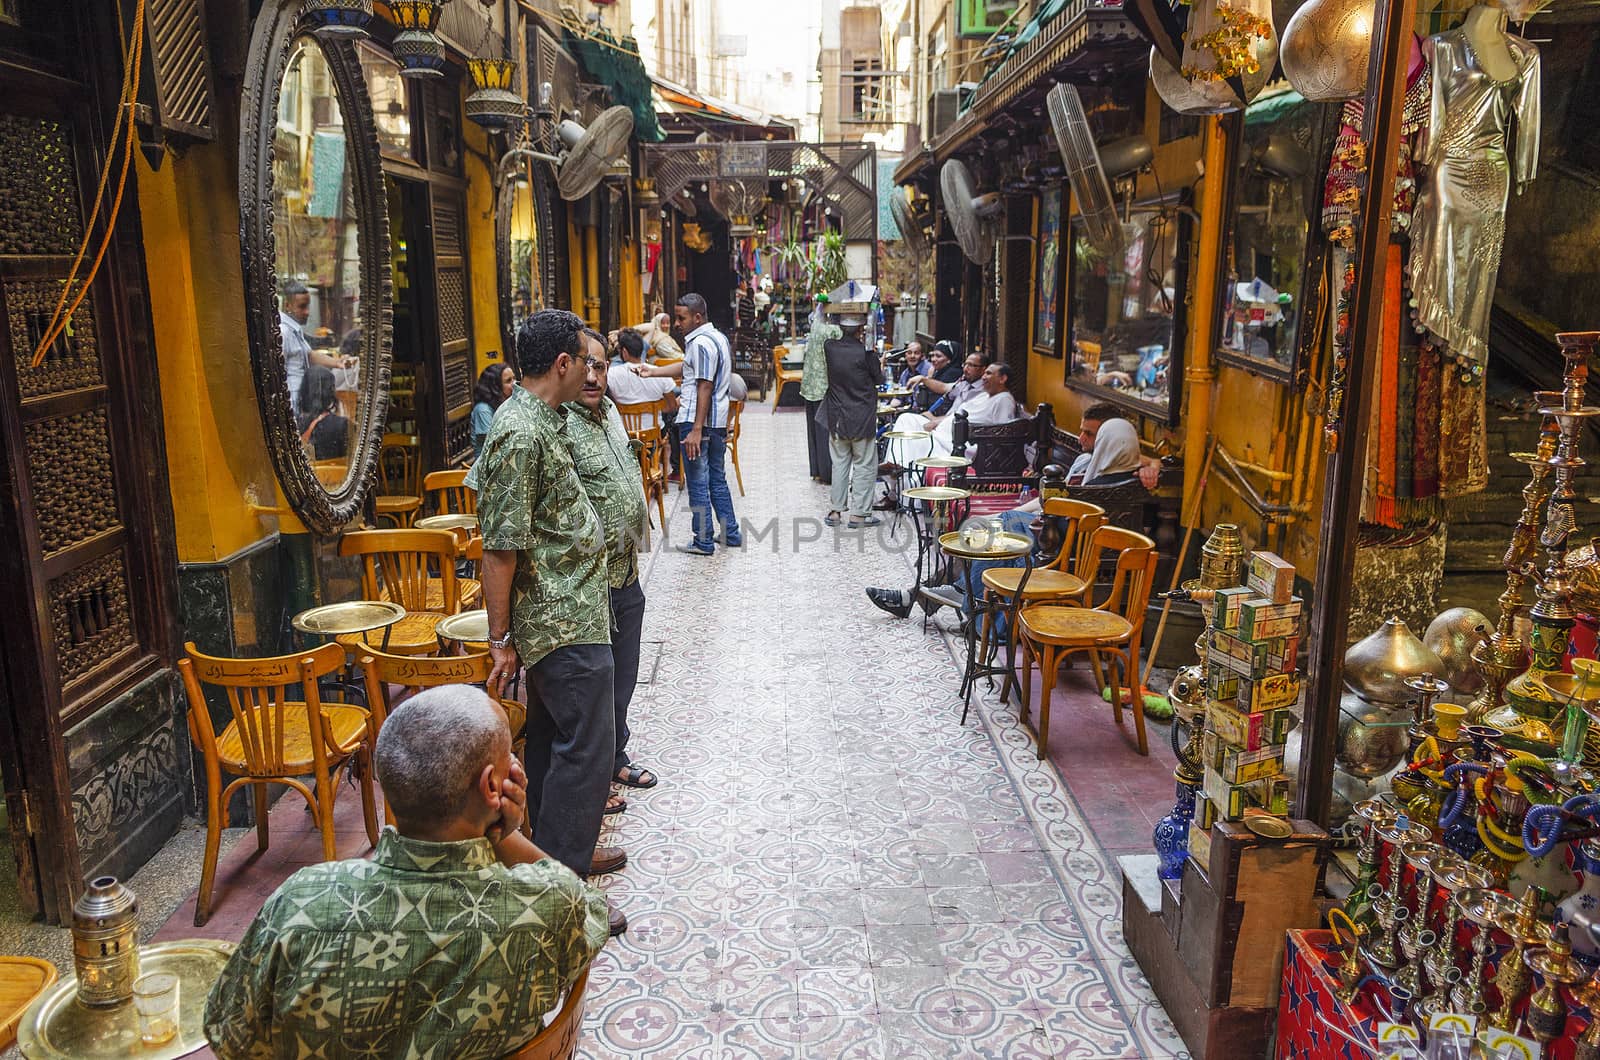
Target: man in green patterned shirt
546	591
453	941
610	473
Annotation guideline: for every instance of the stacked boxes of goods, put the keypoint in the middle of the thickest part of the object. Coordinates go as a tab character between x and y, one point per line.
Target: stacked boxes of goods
1252	687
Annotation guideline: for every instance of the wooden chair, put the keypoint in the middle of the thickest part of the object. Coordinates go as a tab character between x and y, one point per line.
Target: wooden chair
780	374
22	980
399	479
281	731
450	493
643	421
1056	582
1050	631
735	428
559	1039
417	570
413	673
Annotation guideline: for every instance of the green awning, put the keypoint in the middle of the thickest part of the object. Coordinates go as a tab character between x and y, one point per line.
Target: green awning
617	66
1047	11
1268	109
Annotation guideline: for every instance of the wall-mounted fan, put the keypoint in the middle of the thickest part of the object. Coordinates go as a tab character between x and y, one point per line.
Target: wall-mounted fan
973	216
1091	171
910	226
587	155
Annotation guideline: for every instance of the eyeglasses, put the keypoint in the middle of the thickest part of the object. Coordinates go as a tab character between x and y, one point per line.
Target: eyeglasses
597	364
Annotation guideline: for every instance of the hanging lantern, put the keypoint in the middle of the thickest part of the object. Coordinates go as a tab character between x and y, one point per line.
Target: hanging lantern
417	46
645	195
1326	47
335	19
1231	41
494	105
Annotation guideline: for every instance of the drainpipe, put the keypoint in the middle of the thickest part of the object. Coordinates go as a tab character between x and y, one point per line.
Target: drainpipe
1199	375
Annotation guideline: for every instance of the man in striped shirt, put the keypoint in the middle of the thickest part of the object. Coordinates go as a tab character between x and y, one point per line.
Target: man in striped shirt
706	369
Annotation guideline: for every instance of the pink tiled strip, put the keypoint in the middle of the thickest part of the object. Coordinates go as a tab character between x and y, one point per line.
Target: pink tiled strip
831	867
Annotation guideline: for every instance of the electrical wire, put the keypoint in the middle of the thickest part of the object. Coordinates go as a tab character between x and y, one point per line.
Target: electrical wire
133	51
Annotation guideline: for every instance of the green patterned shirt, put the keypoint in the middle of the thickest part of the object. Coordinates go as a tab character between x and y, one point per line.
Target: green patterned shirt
609	471
429	950
531	501
814	369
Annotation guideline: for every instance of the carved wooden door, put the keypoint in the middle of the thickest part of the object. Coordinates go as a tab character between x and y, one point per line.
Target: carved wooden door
86	600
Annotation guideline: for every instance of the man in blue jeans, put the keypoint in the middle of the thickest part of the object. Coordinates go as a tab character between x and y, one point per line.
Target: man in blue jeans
706	369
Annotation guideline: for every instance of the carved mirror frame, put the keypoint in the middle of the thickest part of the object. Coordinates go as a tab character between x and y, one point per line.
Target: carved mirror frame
542	189
272	41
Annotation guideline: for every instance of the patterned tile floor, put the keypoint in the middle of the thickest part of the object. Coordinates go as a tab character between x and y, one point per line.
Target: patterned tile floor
831	866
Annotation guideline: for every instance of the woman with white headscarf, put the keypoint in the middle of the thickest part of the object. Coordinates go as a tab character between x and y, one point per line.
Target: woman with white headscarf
1114	459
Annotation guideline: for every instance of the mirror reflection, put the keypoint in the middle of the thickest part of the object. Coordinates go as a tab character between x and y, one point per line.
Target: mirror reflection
318	263
527	283
1123	307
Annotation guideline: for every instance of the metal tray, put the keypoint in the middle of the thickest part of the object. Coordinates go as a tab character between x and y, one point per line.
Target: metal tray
352	616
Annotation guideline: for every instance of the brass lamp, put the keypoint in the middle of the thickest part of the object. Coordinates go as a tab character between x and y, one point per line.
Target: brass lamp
417	46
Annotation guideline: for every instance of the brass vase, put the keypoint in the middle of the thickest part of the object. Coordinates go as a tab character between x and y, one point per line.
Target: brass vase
105	943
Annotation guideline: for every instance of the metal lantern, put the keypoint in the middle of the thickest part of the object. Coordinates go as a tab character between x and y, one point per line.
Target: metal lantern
334	19
105	943
494	105
417	47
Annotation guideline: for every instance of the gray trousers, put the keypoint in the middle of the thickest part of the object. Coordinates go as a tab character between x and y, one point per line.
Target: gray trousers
627	611
571	741
855	470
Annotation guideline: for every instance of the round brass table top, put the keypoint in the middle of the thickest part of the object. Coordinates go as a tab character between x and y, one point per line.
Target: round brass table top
984	545
448	521
352	616
58	1028
471	627
912	435
942	461
936	493
894	392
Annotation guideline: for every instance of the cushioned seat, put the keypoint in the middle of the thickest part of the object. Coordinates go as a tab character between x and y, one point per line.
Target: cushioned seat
347	727
1043	581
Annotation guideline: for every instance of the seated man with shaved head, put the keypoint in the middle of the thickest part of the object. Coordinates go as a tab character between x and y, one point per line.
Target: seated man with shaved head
455	940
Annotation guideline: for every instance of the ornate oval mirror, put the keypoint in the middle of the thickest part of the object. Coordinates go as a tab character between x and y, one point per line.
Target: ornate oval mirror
525	250
314	239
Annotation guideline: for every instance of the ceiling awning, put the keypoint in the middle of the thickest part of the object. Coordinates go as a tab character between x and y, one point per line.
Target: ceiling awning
1272	105
673	98
616	64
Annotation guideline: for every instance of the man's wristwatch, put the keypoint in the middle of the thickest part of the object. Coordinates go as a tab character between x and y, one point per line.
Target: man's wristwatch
501	642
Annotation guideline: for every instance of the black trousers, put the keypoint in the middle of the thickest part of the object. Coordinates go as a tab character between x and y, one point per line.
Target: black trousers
571	741
817	454
627	611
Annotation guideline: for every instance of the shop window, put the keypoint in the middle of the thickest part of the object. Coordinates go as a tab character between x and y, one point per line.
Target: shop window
1127	315
391	104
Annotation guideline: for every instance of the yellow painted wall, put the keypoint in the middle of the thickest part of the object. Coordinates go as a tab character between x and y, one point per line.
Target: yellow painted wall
217	460
484	281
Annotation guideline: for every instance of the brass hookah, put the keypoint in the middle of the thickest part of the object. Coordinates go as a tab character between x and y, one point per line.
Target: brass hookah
1451	874
1483	908
1552	613
1389	910
1373	814
1547	1010
1514	976
1416	937
1588	1044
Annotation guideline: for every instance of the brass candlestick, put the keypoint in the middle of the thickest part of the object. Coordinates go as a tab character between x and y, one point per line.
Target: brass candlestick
1513	977
1547	1009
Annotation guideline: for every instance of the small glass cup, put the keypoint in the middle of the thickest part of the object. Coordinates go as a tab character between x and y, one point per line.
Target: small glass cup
155	998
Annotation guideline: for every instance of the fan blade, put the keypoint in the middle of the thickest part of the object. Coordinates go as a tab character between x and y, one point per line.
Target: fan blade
1090	188
906	221
975	235
586	164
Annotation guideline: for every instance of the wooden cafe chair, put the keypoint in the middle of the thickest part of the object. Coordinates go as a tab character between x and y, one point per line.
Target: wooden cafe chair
644	421
281	731
412	673
399	495
417	570
781	375
1047	631
735	429
450	493
559	1039
1056	582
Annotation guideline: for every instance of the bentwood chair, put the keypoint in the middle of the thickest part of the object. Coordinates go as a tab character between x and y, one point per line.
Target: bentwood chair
1047	632
781	375
735	429
417	570
1056	582
643	421
412	673
450	493
399	479
559	1039
281	731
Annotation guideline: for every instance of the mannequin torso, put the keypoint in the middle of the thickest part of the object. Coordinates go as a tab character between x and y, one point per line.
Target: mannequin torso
1484	28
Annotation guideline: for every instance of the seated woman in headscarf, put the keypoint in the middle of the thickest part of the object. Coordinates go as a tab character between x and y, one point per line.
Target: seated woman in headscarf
1113	460
323	431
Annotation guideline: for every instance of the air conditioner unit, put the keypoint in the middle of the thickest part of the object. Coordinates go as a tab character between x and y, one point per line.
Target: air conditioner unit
944	106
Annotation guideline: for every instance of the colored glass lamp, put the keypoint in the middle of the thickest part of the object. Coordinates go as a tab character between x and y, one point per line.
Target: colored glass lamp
336	19
494	104
417	46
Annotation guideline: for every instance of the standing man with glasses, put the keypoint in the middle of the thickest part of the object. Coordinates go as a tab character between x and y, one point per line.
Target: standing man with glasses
703	424
547	593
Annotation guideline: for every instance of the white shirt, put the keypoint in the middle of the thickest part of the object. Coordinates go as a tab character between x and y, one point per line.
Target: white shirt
296	355
707	355
627	387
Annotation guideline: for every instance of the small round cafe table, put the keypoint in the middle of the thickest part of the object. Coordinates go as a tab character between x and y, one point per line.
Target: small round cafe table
975	545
